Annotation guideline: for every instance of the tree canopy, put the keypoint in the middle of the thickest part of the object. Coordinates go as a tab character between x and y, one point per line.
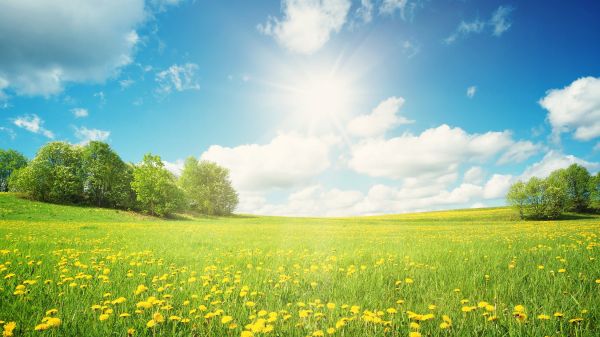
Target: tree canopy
572	189
94	174
10	160
208	188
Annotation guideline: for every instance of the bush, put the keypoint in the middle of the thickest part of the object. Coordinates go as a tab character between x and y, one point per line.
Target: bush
54	175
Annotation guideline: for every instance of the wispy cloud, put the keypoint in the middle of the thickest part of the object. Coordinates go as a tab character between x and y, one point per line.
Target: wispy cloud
86	135
33	123
177	78
499	23
471	91
80	112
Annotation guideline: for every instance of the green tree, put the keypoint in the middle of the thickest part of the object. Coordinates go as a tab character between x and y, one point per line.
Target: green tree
577	182
555	196
107	179
54	175
10	160
208	188
595	191
517	197
155	187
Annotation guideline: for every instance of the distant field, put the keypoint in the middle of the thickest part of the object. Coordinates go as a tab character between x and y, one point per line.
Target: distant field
454	273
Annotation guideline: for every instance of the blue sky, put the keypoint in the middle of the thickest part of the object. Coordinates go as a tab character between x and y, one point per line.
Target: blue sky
318	107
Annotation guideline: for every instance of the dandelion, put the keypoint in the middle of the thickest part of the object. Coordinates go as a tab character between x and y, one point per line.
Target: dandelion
414	334
543	317
8	329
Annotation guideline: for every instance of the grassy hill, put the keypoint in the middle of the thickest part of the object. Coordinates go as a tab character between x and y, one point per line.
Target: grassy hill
481	272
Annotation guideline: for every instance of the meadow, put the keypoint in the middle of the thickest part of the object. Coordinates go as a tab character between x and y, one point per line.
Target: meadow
76	271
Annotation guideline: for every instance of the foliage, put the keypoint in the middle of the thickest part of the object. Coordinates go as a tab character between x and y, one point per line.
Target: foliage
577	180
54	175
570	189
208	188
155	187
10	160
107	179
361	276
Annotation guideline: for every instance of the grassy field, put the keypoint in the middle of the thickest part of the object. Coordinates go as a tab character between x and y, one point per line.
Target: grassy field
70	271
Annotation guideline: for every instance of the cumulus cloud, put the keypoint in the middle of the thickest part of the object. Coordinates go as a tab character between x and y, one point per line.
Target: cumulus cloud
379	199
497	186
474	175
33	123
86	135
80	112
519	152
307	25
554	160
471	91
575	107
435	152
178	78
288	159
383	118
49	43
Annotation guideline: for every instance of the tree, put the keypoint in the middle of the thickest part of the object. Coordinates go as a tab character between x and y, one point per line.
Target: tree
517	197
208	188
107	179
595	190
577	181
155	187
54	175
10	160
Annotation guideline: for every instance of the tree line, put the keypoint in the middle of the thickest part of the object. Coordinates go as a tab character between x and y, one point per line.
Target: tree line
94	174
572	189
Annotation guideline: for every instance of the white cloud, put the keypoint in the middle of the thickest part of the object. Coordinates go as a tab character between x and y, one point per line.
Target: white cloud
383	118
289	159
33	123
474	175
86	135
553	161
49	43
307	24
80	112
575	107
471	91
596	147
519	152
465	29
365	11
435	152
126	83
175	167
405	7
410	48
497	186
178	78
500	20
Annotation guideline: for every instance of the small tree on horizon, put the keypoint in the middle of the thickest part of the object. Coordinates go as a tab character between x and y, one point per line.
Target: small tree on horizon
155	187
10	161
208	188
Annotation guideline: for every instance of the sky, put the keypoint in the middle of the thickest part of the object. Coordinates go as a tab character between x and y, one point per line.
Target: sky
317	107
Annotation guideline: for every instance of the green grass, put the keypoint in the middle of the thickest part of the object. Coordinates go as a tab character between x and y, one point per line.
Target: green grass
80	257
